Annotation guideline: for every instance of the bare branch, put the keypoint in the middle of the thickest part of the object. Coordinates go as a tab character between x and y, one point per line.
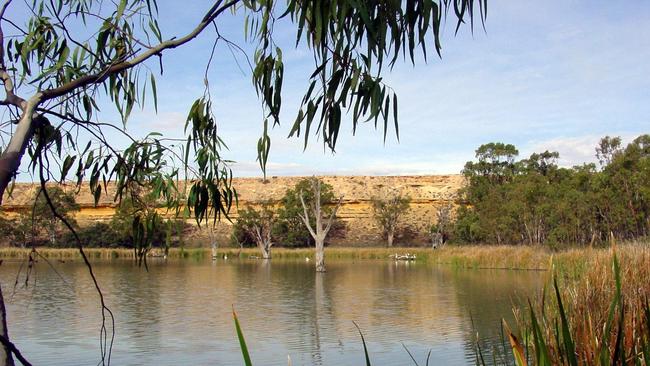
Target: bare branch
333	214
4	8
305	218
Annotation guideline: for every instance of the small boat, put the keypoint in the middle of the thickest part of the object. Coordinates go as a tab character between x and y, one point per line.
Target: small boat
404	257
155	254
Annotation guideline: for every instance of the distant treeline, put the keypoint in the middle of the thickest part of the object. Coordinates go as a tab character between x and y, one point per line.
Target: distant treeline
36	225
506	201
533	201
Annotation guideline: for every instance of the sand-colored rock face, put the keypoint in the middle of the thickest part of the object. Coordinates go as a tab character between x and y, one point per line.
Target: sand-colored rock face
426	192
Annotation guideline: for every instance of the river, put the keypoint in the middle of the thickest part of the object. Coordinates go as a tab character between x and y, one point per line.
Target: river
180	312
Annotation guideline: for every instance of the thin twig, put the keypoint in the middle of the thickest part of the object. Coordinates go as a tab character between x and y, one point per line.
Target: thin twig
106	349
13	349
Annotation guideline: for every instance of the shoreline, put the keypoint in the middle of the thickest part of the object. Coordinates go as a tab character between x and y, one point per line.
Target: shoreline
502	257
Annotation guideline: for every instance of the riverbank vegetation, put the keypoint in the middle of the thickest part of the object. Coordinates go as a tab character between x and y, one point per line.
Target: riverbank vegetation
571	262
387	211
303	218
36	226
601	318
533	201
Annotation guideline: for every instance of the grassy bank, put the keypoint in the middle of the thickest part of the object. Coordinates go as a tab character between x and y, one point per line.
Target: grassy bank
572	262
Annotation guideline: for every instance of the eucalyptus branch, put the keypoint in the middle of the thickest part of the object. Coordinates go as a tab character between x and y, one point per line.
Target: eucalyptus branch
11	98
114	26
4	8
232	45
83	123
125	65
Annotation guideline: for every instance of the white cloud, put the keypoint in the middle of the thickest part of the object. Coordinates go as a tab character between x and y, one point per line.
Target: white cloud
573	150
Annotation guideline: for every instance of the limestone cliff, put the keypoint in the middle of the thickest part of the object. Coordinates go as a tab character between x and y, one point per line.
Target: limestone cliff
426	192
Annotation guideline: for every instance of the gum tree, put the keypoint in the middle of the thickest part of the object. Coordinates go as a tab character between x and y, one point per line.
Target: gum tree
541	203
290	228
258	224
314	212
440	231
60	59
387	212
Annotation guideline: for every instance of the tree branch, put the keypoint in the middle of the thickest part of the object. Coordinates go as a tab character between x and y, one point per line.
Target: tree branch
125	65
11	98
105	346
305	218
8	348
13	349
2	38
331	218
11	157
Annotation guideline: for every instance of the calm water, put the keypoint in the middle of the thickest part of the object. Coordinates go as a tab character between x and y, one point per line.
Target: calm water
180	311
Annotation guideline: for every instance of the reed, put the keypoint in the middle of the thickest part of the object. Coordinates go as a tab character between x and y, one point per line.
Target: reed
601	318
66	253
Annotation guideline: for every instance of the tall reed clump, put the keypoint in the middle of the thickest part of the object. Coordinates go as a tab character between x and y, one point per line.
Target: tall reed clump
602	318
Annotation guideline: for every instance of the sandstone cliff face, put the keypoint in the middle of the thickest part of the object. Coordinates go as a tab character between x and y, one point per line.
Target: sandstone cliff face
426	192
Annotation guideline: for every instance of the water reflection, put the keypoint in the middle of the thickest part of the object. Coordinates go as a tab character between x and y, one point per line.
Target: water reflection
180	312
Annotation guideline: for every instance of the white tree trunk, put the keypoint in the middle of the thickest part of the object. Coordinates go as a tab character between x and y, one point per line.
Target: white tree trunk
13	154
9	164
320	255
319	233
265	248
390	238
262	236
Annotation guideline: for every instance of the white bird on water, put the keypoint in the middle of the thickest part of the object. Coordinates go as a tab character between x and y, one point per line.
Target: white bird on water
306	259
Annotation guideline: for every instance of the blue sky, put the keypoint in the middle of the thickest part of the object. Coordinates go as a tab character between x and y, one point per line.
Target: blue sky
554	75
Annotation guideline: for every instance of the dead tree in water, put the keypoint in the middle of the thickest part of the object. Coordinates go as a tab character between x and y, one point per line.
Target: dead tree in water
322	227
440	230
259	226
262	230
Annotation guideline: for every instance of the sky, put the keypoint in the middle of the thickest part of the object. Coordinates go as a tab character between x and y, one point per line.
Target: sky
544	75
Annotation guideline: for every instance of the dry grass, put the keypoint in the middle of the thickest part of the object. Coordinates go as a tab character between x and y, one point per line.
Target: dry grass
67	253
571	262
607	319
